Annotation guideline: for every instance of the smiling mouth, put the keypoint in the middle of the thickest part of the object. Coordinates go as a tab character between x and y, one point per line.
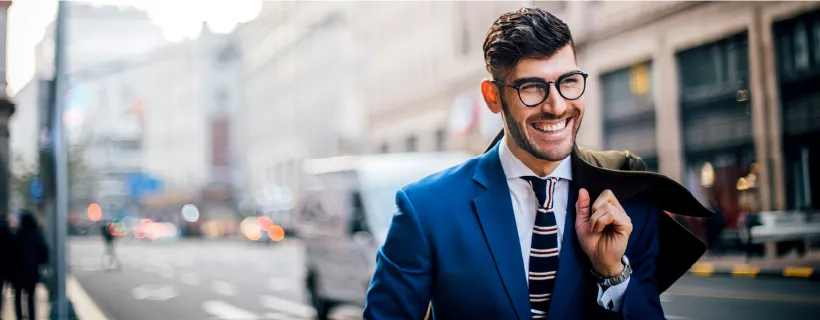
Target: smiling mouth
550	128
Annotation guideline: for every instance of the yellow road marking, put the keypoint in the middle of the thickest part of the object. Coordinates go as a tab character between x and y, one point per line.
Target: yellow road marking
745	270
703	269
801	272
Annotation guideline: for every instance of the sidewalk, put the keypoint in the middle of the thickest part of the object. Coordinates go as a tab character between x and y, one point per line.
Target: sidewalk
790	266
85	308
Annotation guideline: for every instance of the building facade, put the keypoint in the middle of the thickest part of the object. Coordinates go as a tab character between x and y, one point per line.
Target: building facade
714	113
158	123
717	95
303	97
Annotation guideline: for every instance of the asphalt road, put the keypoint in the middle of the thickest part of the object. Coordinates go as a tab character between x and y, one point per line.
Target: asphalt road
240	280
195	280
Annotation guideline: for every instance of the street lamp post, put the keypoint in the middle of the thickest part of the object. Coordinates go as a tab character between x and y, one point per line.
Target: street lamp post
55	175
6	110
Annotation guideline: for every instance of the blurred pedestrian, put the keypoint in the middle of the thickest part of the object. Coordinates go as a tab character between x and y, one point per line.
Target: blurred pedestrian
30	252
6	246
714	227
110	260
749	220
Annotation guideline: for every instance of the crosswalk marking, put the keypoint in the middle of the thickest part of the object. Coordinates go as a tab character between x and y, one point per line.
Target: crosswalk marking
189	278
223	288
287	306
154	292
226	311
276	316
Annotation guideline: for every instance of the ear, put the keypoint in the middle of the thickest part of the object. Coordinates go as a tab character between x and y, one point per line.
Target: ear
491	95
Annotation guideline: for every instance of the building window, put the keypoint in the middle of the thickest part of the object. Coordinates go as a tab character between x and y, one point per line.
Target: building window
715	69
785	55
441	140
801	47
629	111
627	91
411	144
816	33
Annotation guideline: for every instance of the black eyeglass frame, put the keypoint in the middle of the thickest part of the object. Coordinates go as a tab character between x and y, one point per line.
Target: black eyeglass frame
548	83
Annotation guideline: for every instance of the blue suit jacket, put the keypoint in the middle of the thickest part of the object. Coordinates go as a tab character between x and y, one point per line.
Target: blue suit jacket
454	242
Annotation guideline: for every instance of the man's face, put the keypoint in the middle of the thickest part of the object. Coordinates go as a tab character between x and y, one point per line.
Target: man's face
546	131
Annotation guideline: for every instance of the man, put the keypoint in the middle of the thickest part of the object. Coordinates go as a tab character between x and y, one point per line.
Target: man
536	227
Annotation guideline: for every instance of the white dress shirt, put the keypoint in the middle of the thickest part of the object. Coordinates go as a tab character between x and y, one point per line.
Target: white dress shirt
524	204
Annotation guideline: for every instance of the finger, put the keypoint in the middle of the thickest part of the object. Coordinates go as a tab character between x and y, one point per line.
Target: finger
582	205
606	219
614	200
593	220
622	221
602	198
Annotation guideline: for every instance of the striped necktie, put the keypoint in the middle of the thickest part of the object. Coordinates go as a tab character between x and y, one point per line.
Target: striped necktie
544	248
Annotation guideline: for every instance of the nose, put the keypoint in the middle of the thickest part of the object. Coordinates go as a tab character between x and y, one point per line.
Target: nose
555	103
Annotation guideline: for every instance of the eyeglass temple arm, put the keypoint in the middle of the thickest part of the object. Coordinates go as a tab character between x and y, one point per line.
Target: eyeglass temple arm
497	138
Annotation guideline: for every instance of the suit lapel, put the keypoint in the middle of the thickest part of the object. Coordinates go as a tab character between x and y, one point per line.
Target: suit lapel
679	249
494	210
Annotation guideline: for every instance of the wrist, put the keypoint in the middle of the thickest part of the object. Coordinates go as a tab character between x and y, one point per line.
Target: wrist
609	271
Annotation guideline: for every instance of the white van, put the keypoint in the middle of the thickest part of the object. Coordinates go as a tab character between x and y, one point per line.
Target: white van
345	214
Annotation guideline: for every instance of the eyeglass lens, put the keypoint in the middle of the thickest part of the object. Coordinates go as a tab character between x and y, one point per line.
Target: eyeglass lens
534	93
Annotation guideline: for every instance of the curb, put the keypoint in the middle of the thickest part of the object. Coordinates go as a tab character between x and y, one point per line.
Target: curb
708	269
84	306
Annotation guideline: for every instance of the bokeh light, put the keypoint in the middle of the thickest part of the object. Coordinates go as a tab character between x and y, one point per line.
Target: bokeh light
190	213
94	212
264	222
276	233
250	229
213	229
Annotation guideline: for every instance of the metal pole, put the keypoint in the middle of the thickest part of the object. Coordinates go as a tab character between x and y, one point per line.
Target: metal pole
58	214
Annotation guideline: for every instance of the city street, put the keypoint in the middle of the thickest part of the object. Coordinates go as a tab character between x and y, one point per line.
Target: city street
193	279
231	279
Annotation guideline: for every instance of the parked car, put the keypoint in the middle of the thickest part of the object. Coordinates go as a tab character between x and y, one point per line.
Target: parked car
345	214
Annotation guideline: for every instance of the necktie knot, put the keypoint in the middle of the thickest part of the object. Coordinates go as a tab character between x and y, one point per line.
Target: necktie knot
543	188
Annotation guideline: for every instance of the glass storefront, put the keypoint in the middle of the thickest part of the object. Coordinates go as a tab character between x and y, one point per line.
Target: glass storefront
798	64
716	123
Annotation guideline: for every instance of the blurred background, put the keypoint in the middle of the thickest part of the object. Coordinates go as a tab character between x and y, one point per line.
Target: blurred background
244	155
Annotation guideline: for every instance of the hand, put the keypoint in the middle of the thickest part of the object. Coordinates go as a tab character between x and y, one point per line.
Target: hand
604	234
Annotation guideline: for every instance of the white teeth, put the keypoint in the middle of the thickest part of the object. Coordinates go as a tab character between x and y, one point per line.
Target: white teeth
553	127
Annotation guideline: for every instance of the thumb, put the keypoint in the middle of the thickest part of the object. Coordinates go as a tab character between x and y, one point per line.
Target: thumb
582	205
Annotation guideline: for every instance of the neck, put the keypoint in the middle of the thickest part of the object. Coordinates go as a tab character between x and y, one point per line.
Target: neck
540	167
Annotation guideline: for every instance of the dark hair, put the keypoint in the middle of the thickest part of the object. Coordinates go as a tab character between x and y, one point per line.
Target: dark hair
526	33
28	221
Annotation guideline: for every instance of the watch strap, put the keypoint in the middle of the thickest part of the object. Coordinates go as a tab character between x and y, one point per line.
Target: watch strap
606	282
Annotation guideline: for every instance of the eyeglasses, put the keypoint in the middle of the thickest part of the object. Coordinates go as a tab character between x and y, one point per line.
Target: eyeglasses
570	86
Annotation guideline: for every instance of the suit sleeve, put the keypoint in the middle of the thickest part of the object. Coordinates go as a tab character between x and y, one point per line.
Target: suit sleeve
401	283
642	297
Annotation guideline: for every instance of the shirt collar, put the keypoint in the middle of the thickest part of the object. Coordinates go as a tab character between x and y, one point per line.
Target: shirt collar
514	168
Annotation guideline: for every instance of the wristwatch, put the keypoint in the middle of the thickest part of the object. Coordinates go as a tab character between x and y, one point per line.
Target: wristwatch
605	282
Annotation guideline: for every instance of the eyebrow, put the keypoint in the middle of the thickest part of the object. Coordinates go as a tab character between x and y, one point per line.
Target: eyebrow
537	79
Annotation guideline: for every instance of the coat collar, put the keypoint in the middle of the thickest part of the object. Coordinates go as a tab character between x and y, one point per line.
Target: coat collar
598	171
